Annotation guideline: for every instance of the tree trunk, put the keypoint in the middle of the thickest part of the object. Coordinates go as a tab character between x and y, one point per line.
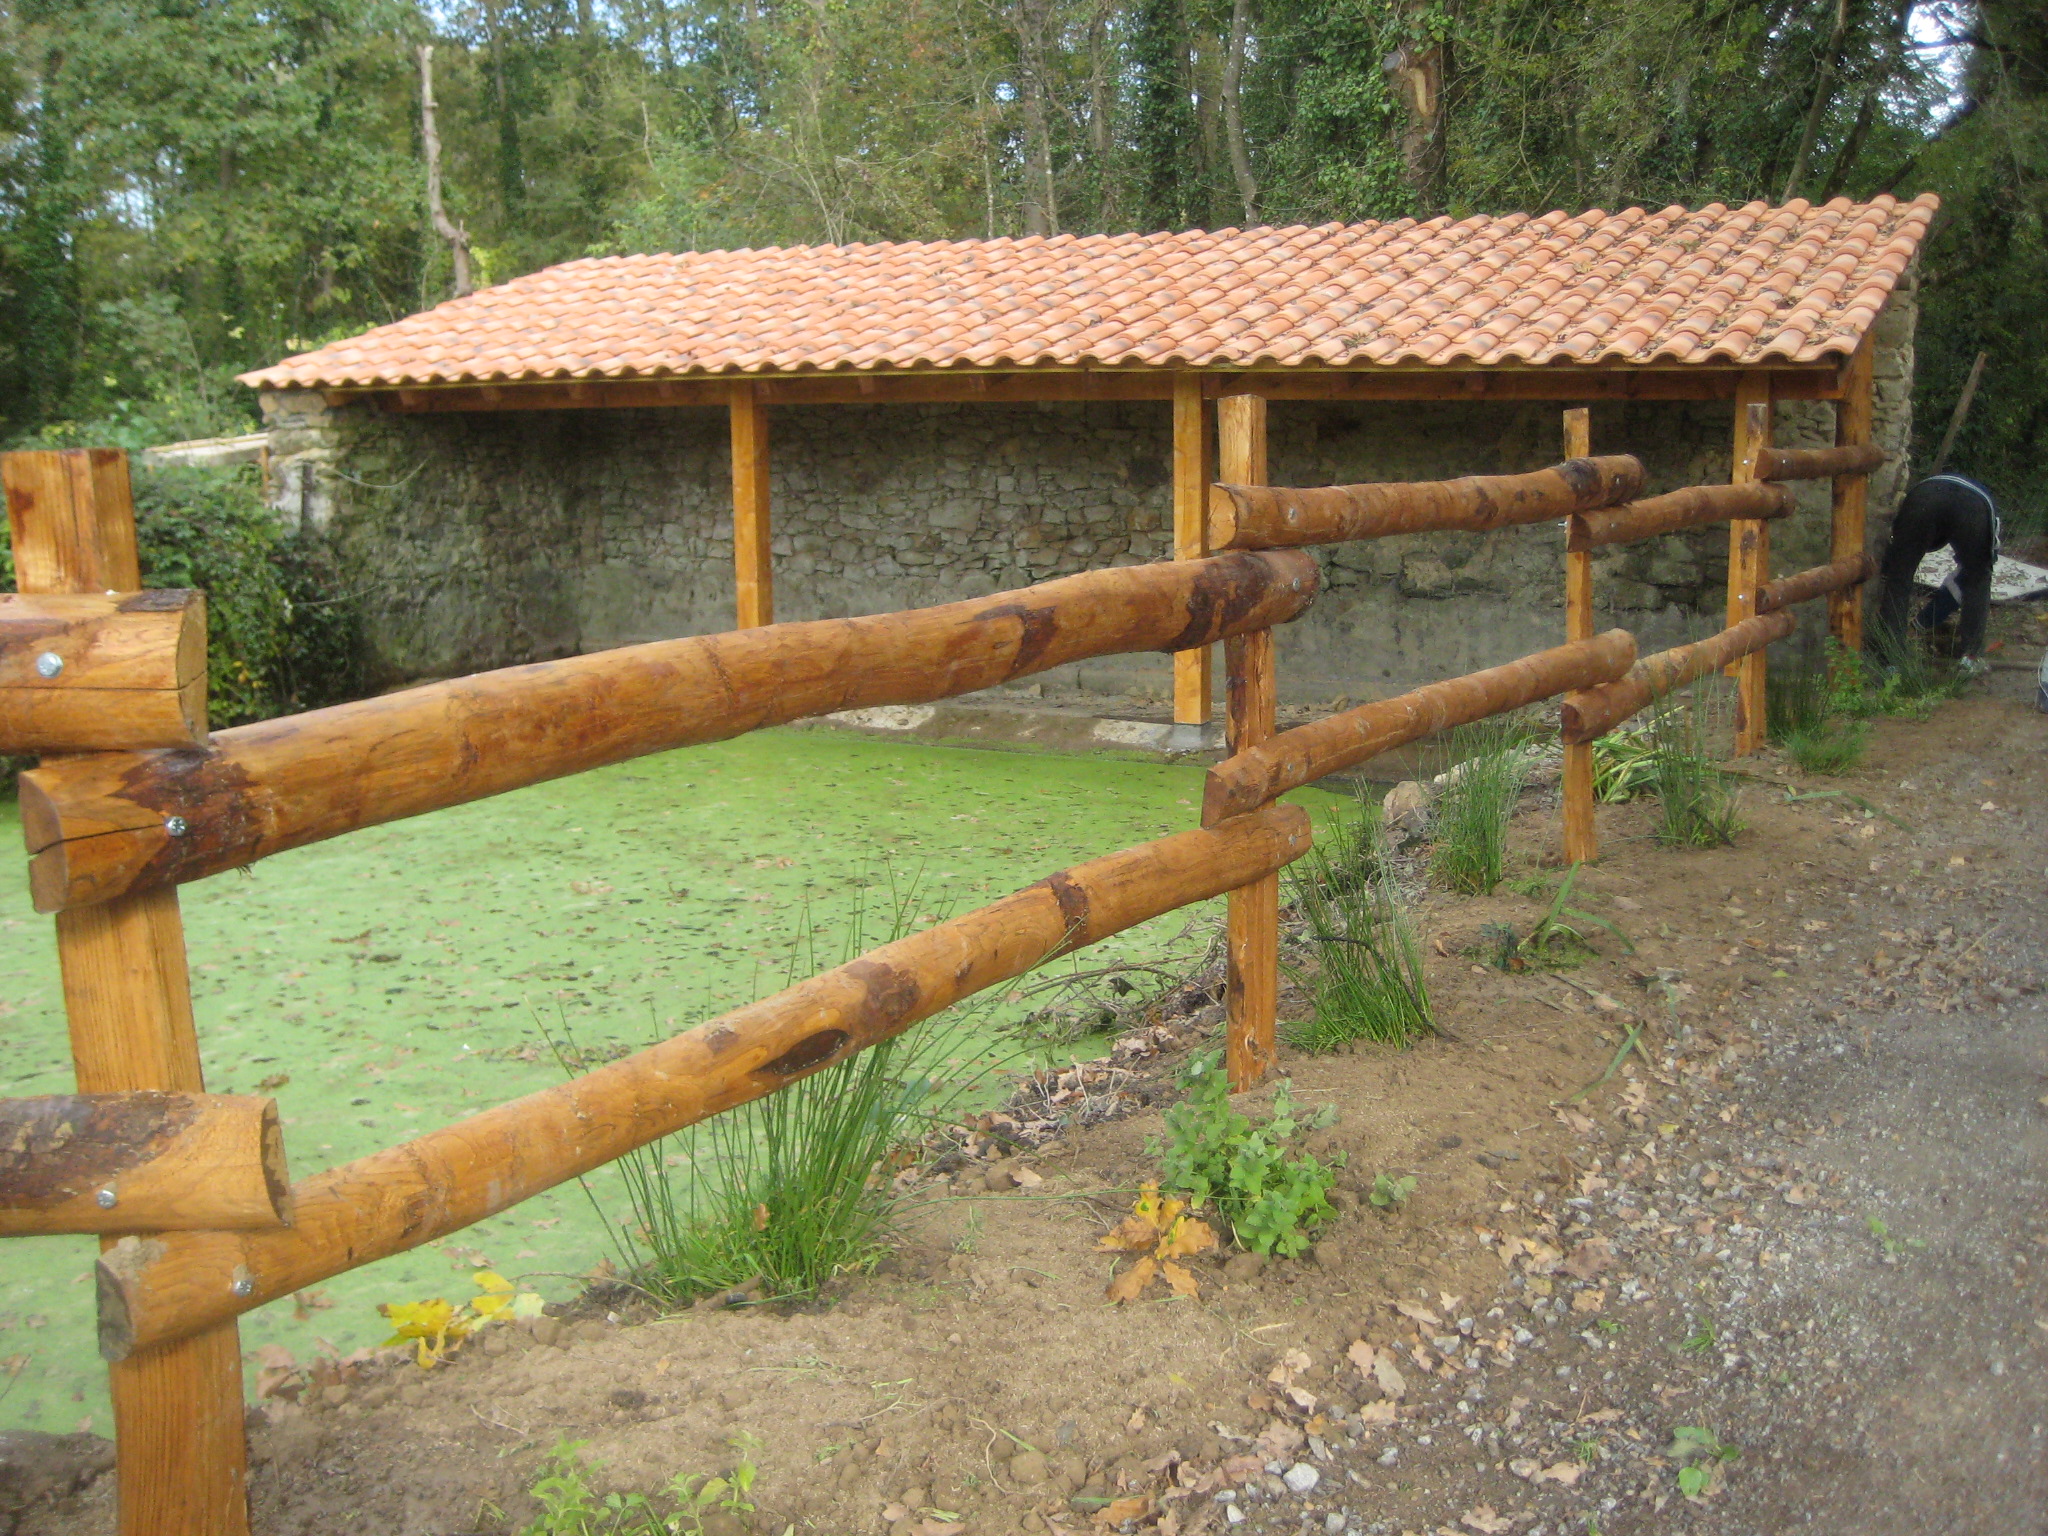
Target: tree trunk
1233	111
1416	71
1101	124
1823	89
1041	201
456	236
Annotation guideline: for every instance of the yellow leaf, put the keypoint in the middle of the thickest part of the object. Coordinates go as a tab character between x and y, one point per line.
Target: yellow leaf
1133	1234
491	1305
1183	1283
1147	1207
1188	1236
490	1280
1131	1284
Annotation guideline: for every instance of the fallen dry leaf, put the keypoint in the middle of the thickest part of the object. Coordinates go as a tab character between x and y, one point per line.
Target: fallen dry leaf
1589	1259
1120	1510
1026	1179
1382	1412
1485	1521
1130	1285
1800	1194
1389	1377
1187	1236
1290	1365
1590	1300
1565	1472
1132	1234
1179	1280
1361	1355
1420	1314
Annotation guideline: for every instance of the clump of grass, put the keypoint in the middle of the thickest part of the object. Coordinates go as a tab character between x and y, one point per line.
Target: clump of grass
1907	682
784	1193
1469	823
1804	710
1366	982
1696	800
1624	765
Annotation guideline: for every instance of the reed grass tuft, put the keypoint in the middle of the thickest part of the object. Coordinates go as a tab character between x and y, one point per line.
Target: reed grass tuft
1486	768
1366	978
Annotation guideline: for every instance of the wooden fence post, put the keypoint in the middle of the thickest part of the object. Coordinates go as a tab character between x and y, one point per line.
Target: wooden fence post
1749	556
1252	984
183	1454
1581	840
753	564
1852	498
1190	533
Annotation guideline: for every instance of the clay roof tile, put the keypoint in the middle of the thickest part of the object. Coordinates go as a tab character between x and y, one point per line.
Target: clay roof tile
1741	285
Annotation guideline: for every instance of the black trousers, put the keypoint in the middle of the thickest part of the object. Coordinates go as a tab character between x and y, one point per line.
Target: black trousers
1941	512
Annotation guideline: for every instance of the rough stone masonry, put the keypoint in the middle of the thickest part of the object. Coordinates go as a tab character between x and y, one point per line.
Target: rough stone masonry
483	540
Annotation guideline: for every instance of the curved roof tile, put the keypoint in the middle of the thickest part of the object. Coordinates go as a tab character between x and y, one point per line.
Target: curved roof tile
1746	285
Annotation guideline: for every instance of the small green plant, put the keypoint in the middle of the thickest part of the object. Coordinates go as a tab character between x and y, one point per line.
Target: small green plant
1700	1457
1608	1326
1893	1246
1390	1193
1907	682
1586	1452
1624	765
1831	748
1366	980
1556	940
1696	800
1273	1196
1469	823
571	1507
1702	1340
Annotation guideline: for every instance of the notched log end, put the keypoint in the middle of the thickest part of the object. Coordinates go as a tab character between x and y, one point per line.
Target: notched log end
49	880
276	1175
120	1267
811	1052
1571	718
1226	503
1225	793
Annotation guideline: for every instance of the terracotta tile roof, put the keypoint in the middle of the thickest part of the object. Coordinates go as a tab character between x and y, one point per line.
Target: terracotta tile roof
1751	285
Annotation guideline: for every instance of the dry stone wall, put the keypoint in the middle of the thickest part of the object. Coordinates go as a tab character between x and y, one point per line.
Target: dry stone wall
483	540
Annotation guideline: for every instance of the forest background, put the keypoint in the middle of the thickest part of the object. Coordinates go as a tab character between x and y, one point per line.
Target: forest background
192	187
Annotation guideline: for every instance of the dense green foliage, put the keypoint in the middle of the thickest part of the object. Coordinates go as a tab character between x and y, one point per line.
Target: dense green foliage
281	622
190	187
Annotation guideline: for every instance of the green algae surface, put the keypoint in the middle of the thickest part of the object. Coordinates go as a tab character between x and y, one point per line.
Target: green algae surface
397	979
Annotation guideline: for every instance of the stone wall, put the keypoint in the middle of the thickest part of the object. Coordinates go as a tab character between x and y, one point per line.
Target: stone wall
484	540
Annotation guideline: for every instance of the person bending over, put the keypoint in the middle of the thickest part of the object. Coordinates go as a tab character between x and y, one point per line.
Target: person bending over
1942	510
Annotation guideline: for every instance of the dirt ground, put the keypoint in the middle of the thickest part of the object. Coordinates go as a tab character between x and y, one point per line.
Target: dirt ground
1806	1223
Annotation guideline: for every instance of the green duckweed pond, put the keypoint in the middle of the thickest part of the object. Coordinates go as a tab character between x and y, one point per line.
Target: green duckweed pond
395	980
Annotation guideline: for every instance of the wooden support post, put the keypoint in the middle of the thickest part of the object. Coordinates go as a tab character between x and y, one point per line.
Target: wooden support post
1852	499
753	567
1581	840
1749	556
1190	533
1252	982
183	1454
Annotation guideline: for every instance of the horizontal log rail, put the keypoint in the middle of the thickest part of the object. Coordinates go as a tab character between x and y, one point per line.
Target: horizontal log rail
1596	711
1819	463
108	824
92	673
140	1162
1283	517
1817	581
1301	756
1694	507
162	1288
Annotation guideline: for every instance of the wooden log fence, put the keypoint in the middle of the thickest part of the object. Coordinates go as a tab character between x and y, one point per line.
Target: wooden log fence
106	824
1587	715
1755	497
1252	777
140	799
88	673
127	1162
1277	517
